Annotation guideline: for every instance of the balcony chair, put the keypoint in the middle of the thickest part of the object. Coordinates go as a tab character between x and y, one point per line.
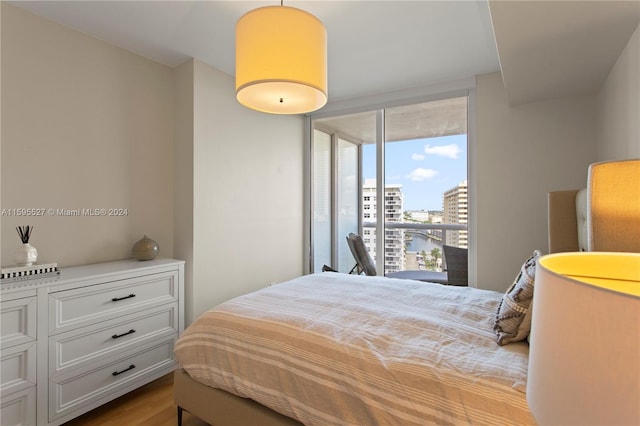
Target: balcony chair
364	263
457	261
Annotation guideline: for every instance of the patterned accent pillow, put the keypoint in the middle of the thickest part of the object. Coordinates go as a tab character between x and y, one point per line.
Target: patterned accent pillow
513	319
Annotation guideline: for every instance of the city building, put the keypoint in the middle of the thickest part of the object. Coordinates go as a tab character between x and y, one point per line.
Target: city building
394	209
455	210
425	216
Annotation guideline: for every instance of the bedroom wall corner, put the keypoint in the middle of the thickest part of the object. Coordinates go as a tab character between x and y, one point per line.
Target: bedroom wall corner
183	176
522	153
619	106
247	194
85	126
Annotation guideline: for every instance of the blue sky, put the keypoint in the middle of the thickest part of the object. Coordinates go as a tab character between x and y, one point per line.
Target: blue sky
425	168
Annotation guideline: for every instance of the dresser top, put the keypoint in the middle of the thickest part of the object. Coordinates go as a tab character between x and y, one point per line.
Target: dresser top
120	269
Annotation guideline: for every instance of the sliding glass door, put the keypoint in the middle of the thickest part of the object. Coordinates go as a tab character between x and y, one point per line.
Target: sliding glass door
335	198
347	208
321	209
398	177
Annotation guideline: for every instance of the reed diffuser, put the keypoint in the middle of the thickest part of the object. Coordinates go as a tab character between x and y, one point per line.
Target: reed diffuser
26	254
25	233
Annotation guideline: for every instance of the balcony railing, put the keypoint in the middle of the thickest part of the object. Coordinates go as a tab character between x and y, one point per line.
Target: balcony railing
444	227
425	229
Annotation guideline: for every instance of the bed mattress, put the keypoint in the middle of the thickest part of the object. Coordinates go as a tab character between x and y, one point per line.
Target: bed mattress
338	349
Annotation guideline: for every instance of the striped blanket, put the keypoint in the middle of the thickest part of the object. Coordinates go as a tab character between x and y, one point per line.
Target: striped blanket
338	349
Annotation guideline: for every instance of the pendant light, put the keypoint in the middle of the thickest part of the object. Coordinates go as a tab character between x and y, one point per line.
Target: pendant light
281	60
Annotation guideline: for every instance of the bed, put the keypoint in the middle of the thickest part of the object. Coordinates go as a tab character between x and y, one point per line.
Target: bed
321	350
339	349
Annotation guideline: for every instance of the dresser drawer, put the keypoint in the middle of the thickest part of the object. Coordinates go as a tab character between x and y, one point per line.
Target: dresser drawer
74	349
18	321
66	396
79	307
19	408
17	368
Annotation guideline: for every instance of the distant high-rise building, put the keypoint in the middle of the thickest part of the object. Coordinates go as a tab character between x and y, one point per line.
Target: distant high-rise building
455	206
431	216
393	212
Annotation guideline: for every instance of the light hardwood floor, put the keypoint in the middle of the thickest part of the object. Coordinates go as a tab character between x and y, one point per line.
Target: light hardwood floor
150	405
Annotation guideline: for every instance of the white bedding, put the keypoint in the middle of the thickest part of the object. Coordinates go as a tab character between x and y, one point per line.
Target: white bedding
338	349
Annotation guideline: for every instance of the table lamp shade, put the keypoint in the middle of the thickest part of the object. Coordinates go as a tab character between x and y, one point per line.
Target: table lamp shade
614	206
584	359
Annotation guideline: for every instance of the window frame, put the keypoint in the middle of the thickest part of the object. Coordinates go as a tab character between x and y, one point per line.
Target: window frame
458	88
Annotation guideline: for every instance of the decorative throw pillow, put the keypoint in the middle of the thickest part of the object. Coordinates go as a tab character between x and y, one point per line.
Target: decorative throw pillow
513	319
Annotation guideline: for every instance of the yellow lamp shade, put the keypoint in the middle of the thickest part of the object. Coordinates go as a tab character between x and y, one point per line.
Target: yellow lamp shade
281	61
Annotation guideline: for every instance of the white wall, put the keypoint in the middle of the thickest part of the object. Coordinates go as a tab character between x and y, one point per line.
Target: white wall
247	194
619	106
522	153
84	125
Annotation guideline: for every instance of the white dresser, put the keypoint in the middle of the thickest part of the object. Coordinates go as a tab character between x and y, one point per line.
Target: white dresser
94	333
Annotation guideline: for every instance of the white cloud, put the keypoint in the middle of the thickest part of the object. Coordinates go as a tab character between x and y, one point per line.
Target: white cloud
421	174
417	157
450	151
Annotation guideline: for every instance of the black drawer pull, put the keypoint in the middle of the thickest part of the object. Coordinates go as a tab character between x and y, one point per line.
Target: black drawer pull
115	299
116	336
131	367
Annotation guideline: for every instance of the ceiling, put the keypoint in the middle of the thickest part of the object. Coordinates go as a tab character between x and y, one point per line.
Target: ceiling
552	49
373	46
546	48
431	119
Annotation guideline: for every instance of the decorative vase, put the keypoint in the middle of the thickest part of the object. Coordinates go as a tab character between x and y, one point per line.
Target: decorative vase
26	255
145	249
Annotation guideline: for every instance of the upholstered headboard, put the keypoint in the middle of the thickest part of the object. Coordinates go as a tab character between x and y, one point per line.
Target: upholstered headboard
567	220
605	216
